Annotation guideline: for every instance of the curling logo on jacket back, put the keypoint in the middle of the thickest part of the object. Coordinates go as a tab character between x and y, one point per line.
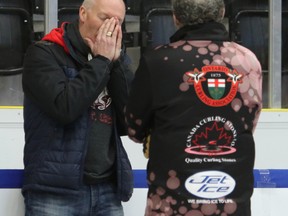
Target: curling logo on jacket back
210	184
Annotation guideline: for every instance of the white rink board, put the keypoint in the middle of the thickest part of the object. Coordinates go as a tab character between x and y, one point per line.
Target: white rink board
271	151
265	202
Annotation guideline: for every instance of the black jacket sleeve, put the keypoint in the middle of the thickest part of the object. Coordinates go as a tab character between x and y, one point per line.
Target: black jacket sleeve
63	99
139	110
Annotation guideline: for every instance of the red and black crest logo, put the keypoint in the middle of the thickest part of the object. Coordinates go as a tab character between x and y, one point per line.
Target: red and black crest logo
215	85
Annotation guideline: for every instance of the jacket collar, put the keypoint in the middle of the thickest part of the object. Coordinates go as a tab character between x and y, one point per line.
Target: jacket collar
69	37
76	45
206	31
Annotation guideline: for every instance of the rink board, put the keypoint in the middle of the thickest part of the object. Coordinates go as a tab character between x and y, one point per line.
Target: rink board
271	165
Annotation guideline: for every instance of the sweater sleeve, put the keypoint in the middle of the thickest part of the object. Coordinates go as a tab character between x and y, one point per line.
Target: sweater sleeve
139	107
63	99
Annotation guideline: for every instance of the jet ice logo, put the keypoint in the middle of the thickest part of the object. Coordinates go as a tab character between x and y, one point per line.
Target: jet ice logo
210	184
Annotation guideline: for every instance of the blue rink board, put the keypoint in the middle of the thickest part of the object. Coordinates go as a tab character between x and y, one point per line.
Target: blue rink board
270	178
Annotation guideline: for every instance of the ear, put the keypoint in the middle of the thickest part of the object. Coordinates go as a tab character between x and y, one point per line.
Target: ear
223	13
82	14
176	22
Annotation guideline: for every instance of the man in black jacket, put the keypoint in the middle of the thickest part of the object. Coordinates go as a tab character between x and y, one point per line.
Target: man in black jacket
76	82
197	99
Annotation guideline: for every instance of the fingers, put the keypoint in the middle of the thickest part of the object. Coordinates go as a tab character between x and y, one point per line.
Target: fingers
118	42
108	40
119	37
108	27
103	29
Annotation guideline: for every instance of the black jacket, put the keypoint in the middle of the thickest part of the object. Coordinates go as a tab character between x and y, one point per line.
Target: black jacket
59	86
198	100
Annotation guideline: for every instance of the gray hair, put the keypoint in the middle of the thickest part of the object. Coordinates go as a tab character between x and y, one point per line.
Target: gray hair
90	3
190	12
87	3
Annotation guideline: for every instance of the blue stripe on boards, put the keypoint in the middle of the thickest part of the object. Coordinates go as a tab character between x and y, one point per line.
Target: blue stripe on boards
268	178
11	178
